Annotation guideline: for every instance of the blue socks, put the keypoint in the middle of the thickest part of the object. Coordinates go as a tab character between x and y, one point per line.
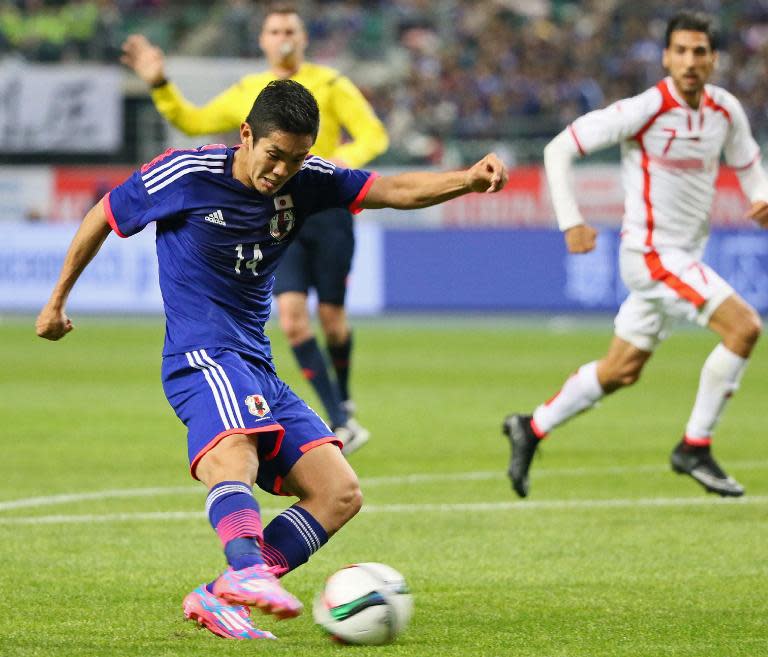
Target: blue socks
291	538
287	542
315	370
340	359
234	514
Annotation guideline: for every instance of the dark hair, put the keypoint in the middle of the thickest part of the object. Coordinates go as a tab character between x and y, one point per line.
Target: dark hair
286	106
695	21
281	8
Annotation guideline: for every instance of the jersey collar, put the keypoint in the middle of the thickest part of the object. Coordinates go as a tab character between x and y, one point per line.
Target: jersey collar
676	95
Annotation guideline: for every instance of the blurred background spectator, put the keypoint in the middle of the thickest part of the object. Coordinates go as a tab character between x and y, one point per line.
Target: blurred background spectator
449	78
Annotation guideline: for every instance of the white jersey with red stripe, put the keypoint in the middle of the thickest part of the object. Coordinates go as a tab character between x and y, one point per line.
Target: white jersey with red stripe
670	155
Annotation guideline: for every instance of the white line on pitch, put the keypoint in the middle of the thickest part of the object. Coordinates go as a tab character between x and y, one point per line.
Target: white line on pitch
65	498
538	473
474	507
52	500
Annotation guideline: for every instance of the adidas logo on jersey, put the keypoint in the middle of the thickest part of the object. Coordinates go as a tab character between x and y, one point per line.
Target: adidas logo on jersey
216	218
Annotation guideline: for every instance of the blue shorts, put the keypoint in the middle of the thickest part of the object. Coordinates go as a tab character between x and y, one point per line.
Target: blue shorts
320	257
220	392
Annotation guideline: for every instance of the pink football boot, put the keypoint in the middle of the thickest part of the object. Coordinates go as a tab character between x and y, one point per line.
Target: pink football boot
223	619
257	586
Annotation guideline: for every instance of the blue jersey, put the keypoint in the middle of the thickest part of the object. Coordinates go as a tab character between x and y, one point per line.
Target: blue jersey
219	242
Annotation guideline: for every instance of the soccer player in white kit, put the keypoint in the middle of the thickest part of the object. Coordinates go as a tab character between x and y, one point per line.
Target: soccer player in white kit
672	137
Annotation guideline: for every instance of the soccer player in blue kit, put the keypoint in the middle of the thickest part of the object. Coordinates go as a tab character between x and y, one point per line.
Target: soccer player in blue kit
224	217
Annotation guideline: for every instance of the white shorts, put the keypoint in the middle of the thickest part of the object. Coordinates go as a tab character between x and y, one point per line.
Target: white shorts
665	288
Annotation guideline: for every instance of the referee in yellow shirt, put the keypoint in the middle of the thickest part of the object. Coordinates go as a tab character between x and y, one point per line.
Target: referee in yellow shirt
321	256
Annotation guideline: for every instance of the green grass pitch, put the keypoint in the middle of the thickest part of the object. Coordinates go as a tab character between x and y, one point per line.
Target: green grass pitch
611	555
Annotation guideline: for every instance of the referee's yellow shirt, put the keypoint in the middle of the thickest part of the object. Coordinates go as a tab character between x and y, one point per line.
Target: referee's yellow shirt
341	106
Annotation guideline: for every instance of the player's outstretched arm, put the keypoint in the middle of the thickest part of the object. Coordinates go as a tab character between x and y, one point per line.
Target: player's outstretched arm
52	322
409	191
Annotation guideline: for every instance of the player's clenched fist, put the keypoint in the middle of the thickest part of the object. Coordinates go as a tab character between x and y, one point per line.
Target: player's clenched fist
488	175
580	239
52	324
759	213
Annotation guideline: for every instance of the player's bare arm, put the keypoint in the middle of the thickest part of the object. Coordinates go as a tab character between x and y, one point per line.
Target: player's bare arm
580	239
409	191
146	59
52	322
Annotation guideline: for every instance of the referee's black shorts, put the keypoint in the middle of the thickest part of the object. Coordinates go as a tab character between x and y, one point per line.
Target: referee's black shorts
320	257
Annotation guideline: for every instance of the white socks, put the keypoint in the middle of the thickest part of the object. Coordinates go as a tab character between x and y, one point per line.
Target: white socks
581	391
719	379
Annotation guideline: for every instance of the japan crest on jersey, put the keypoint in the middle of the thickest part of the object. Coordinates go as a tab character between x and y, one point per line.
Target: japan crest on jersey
257	405
281	223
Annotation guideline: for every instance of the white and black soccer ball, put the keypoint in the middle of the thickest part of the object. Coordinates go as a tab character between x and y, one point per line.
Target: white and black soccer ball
364	603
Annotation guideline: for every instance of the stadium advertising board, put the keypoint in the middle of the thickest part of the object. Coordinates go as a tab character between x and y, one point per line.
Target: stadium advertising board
451	270
525	200
25	192
123	277
54	194
72	109
76	189
64	193
479	252
529	270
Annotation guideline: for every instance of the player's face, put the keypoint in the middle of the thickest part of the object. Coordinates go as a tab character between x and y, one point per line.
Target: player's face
270	162
283	39
690	61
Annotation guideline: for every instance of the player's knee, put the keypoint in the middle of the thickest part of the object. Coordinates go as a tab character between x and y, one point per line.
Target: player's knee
744	334
629	377
347	500
350	500
333	320
751	328
621	378
336	334
295	328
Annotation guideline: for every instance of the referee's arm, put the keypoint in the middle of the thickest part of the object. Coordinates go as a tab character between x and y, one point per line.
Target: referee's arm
221	114
356	116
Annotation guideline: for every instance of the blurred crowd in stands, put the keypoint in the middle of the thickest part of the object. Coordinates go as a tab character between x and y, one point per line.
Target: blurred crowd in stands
455	69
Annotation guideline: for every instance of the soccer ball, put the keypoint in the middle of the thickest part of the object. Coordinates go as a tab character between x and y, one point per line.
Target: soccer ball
364	603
